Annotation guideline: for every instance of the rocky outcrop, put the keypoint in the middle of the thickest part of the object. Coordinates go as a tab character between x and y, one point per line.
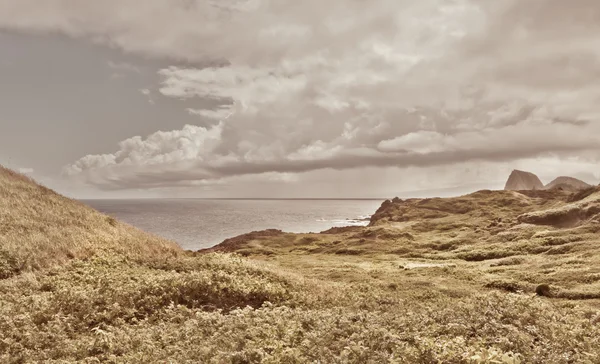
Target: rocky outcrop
521	180
567	184
237	242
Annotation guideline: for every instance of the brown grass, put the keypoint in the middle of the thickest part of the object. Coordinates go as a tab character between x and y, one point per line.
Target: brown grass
39	228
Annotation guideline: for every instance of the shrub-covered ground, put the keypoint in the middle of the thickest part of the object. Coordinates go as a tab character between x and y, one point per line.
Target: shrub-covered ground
222	309
452	286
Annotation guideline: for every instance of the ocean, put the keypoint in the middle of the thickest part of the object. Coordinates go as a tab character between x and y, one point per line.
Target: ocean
198	223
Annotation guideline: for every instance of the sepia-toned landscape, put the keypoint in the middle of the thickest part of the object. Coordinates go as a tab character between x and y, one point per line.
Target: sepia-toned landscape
489	277
280	181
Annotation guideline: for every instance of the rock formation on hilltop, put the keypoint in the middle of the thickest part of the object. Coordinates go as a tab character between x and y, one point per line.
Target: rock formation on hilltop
567	183
521	180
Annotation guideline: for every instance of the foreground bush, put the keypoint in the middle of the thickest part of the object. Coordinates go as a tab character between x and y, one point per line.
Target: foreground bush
222	309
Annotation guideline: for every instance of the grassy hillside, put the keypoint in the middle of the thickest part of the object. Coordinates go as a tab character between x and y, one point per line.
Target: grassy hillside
39	228
435	280
72	280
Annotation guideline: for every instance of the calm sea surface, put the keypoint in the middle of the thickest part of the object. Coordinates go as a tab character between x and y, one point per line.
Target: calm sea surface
198	223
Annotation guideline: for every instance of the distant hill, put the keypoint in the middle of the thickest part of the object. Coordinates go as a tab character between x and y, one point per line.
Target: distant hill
567	183
521	180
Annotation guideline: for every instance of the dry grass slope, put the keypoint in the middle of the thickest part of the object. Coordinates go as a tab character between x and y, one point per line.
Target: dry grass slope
40	228
430	281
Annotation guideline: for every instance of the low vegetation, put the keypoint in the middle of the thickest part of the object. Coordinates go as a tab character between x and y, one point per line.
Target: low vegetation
429	281
40	228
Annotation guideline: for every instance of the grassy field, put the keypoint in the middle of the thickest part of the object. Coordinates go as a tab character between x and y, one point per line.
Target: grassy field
495	276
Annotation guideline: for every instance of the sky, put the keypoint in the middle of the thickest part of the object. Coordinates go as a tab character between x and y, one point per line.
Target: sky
281	98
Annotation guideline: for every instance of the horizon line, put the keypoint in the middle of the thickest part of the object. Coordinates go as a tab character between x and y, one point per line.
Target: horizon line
402	195
246	198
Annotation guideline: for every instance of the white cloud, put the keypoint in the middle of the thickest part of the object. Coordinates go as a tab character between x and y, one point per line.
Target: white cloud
346	83
220	113
26	170
146	92
528	137
251	88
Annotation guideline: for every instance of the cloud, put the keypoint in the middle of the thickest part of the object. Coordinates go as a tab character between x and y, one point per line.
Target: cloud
527	138
381	83
204	154
252	88
146	92
26	170
220	113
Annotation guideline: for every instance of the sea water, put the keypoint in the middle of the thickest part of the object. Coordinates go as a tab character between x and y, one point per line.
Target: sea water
201	223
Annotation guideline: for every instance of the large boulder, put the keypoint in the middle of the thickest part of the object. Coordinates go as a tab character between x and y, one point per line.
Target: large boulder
521	180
